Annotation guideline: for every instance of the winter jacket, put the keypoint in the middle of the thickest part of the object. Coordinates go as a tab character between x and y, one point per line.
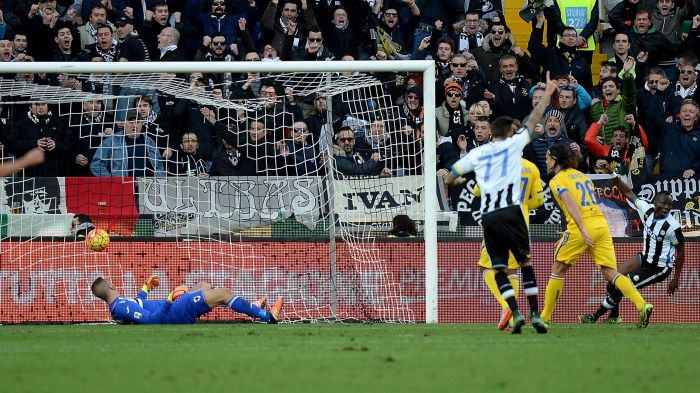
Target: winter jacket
622	105
24	135
488	56
680	149
553	59
443	118
112	157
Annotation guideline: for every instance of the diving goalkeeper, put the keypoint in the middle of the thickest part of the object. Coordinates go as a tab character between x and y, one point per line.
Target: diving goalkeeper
181	307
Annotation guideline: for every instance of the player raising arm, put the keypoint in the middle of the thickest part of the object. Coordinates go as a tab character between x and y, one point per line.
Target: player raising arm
662	236
180	307
586	231
498	167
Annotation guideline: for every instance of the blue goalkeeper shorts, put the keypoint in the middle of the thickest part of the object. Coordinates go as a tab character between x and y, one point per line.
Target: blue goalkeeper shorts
187	309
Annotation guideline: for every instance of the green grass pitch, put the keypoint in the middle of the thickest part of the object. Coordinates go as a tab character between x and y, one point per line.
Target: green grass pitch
348	358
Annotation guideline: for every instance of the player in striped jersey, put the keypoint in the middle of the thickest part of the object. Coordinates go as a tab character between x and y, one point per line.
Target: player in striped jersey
531	197
498	167
586	231
662	236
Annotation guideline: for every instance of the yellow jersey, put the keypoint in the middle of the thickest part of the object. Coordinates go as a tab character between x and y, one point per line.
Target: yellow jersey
531	193
582	190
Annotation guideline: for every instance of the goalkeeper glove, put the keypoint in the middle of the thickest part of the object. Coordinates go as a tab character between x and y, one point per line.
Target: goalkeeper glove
177	293
151	283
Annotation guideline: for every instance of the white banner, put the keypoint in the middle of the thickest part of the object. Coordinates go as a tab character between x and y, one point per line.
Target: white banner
378	199
221	205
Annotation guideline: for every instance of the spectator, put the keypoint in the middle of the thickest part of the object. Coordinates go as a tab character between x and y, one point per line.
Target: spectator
128	153
564	58
509	95
297	155
289	23
167	45
351	162
154	22
583	16
343	34
450	115
313	48
39	128
668	16
155	126
466	72
470	35
412	107
221	22
687	81
621	46
607	68
88	130
257	150
105	47
645	39
655	101
42	19
276	113
19	44
552	132
63	51
445	48
602	166
402	226
615	104
214	48
132	47
574	119
488	9
500	42
680	143
622	150
187	160
5	50
386	35
88	31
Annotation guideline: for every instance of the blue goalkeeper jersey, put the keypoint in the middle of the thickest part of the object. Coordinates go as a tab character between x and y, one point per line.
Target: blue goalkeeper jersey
126	311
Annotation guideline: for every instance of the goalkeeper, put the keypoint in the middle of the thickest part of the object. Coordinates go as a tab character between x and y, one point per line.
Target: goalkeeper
183	305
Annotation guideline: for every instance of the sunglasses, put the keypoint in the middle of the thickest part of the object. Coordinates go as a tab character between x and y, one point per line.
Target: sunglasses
391	14
218	43
687	72
498	32
453	95
346	139
459	65
218	3
314	39
302	129
568	87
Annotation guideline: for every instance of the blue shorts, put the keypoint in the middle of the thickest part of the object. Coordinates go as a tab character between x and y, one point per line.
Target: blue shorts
187	309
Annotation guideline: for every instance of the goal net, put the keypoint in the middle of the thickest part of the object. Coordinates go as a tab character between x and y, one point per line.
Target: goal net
279	183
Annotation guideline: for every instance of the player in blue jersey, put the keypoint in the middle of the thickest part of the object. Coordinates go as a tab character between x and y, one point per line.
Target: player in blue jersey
179	308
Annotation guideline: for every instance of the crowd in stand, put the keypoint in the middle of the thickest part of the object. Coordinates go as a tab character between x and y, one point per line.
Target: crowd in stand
641	117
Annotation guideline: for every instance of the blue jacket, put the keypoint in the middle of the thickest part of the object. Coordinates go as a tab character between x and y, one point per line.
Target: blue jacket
680	149
111	157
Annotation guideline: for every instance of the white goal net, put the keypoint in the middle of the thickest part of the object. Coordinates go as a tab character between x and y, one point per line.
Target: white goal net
279	183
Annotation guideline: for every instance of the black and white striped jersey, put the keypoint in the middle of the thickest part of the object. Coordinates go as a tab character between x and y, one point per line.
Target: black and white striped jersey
498	168
661	236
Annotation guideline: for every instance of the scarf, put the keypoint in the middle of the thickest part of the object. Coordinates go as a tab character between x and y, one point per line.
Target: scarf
685	92
165	50
107	55
40	121
91	30
470	41
285	27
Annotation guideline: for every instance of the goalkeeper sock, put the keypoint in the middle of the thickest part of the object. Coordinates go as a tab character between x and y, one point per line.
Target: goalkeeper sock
530	284
490	280
238	304
507	291
551	295
624	284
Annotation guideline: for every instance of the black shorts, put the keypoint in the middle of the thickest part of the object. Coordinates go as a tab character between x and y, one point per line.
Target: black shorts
506	230
648	274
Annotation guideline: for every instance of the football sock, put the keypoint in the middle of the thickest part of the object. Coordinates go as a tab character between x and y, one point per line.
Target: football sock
490	280
513	278
615	311
624	284
238	304
506	290
551	295
530	284
609	303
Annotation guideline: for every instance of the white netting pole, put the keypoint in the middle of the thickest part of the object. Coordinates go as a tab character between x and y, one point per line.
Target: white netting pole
431	202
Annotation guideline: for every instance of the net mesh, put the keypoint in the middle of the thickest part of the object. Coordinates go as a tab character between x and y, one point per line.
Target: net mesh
126	162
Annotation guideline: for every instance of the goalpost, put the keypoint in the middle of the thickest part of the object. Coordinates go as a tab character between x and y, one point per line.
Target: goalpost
212	220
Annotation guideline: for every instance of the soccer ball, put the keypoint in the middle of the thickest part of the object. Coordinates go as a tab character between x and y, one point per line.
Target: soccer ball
97	240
